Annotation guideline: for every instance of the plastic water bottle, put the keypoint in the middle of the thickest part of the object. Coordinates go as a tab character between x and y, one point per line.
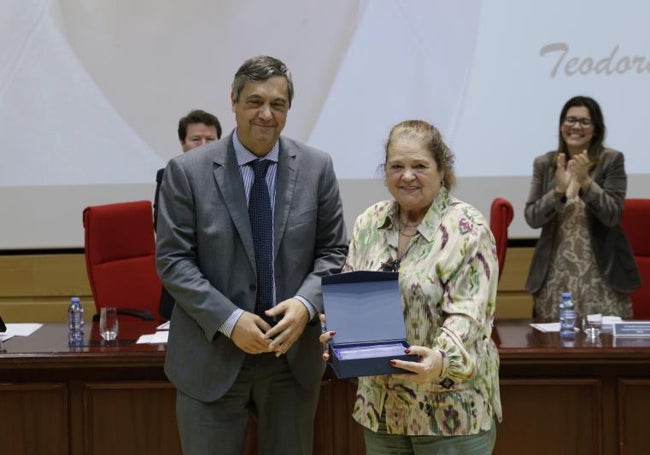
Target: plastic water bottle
567	316
75	322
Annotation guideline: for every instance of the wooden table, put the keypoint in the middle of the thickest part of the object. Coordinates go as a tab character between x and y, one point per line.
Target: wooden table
101	398
589	398
576	397
107	398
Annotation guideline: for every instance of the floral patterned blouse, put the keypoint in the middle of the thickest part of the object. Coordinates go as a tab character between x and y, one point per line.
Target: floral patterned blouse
448	281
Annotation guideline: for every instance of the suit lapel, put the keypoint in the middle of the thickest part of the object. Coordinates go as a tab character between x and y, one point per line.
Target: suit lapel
285	189
228	179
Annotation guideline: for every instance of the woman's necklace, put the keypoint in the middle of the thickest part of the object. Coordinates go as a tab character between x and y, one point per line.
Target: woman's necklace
403	246
402	233
411	229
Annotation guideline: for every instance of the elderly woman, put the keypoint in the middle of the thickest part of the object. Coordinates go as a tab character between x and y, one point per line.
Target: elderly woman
576	197
446	258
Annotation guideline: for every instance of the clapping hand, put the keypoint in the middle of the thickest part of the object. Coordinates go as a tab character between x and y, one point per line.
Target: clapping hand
579	166
562	174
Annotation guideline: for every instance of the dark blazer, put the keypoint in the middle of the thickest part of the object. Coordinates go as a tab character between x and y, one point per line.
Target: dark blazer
159	177
206	258
166	300
604	203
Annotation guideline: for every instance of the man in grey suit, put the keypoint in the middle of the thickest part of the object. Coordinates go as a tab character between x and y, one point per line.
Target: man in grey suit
225	360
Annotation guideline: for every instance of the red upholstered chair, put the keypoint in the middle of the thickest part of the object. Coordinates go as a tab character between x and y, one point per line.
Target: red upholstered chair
636	225
121	257
501	215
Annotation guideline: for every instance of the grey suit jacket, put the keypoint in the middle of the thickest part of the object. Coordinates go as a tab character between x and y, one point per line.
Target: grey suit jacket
604	203
206	258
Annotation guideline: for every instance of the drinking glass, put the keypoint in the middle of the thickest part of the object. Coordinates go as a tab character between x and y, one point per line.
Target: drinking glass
108	324
592	325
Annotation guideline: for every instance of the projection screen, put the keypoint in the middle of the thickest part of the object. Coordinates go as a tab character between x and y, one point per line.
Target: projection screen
91	92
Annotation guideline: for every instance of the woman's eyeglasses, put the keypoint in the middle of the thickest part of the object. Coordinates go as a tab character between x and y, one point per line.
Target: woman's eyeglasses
583	122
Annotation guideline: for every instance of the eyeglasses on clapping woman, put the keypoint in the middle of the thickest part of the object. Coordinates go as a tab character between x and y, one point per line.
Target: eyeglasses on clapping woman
583	122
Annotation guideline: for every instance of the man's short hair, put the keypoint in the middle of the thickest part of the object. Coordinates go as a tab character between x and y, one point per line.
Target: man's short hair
259	69
197	116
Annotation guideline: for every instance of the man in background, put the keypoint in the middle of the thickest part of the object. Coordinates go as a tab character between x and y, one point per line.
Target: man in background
195	129
248	226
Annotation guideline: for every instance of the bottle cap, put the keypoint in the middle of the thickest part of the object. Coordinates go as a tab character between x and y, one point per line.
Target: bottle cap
566	295
74	299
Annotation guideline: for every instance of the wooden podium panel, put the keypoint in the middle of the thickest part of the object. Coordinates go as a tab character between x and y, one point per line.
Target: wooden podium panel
141	413
634	403
561	415
33	418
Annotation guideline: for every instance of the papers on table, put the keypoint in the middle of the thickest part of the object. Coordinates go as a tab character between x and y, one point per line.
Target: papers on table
608	321
19	330
160	337
546	327
163	326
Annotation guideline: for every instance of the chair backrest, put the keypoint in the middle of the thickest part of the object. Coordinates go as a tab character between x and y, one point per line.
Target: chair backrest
636	225
121	256
501	215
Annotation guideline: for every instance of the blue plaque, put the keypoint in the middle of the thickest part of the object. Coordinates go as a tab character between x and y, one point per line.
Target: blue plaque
364	308
632	329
